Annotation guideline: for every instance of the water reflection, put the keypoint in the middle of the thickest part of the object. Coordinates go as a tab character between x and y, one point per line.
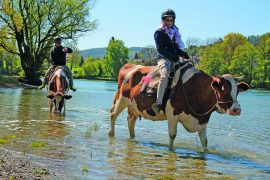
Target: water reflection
55	126
30	122
135	160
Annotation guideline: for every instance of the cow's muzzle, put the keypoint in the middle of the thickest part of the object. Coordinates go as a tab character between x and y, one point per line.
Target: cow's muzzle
235	111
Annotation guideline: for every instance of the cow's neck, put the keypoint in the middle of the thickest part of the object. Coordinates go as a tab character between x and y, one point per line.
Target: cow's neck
195	97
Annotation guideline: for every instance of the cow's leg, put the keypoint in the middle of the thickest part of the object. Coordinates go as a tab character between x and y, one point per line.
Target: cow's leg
64	106
203	137
50	104
172	123
118	108
172	128
131	123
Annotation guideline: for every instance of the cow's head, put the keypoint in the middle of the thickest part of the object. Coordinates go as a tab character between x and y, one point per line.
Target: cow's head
58	101
227	88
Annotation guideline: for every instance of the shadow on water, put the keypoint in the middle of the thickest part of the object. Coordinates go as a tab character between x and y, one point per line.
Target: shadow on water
210	155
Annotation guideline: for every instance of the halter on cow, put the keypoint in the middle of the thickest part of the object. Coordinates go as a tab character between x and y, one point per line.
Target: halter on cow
191	100
58	88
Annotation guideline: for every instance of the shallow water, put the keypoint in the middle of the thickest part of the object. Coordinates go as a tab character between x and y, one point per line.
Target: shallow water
78	146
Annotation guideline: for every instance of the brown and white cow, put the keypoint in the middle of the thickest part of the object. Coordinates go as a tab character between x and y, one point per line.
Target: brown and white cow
192	100
58	88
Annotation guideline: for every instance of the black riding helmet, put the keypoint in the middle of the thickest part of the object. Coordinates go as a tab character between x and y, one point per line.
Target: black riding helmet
57	39
168	13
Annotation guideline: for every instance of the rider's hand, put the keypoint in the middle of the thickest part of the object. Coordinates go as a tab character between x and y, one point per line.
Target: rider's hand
65	49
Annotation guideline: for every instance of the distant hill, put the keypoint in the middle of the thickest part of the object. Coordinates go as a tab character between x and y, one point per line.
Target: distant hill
100	52
94	52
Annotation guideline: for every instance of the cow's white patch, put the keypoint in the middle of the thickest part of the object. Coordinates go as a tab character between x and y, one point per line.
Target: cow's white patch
190	123
144	114
121	104
235	104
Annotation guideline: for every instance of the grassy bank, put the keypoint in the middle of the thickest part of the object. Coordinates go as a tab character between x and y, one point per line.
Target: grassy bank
9	81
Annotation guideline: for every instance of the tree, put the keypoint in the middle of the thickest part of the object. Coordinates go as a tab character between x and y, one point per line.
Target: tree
231	42
264	49
212	59
94	67
116	57
28	27
149	55
244	61
90	67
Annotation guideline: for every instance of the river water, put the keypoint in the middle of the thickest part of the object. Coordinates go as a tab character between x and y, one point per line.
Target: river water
77	146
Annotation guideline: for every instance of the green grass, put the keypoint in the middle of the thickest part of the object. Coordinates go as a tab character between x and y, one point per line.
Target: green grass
85	169
6	139
38	144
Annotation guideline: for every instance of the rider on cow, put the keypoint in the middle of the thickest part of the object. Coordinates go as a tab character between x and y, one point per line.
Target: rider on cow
58	60
169	47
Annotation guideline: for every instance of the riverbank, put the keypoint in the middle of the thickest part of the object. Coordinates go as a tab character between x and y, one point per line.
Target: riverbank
14	166
9	82
96	78
13	81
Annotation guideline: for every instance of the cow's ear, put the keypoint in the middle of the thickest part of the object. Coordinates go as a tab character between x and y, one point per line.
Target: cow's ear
242	86
50	96
68	97
216	84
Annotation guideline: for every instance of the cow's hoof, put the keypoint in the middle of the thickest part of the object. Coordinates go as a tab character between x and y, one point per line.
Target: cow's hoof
111	134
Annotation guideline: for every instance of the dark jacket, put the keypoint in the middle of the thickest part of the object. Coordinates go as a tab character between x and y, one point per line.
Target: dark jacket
166	47
58	56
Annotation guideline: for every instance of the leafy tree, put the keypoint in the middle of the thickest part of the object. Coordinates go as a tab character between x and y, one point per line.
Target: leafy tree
212	59
28	27
116	57
264	49
244	61
231	42
90	67
94	67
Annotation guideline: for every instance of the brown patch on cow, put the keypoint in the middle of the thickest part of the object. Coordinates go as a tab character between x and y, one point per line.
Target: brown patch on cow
132	87
200	97
121	77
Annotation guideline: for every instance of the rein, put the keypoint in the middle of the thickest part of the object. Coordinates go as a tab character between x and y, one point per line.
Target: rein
207	112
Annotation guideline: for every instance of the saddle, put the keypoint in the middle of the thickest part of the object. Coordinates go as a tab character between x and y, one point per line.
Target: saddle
151	80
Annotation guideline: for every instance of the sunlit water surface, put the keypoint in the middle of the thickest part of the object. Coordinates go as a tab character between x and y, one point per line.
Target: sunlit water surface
77	146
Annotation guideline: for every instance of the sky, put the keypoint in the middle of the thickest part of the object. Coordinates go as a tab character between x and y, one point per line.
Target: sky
135	21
